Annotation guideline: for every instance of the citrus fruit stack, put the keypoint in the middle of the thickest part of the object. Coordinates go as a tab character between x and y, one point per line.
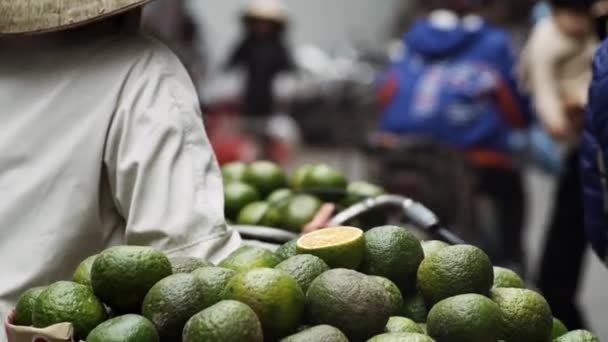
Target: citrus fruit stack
259	194
338	284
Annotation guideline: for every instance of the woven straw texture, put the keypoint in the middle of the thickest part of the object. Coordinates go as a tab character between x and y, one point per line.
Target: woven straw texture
38	16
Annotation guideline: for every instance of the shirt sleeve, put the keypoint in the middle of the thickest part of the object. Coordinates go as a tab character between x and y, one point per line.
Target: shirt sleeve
542	58
162	171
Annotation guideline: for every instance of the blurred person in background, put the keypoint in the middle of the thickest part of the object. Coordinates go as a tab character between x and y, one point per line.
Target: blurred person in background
262	54
455	84
556	65
263	57
594	159
116	152
170	21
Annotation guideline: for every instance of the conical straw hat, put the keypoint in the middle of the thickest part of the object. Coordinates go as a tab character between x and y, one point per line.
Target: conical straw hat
38	16
267	9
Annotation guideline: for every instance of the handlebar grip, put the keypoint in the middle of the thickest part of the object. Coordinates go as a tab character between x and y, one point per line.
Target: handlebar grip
420	215
265	234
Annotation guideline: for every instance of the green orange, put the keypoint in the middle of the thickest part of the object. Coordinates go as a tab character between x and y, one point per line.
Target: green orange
339	247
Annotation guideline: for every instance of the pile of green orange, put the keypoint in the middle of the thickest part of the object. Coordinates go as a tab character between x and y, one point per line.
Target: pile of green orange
334	285
261	194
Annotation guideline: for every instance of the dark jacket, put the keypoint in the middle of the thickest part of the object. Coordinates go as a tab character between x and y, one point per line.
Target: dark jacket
263	61
594	157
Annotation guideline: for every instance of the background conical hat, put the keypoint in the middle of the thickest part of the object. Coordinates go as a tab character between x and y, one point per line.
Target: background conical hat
267	9
37	16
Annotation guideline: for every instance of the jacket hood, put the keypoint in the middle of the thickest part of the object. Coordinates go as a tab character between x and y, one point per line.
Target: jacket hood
443	34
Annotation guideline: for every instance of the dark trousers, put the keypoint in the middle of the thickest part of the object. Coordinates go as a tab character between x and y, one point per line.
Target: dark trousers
562	260
504	187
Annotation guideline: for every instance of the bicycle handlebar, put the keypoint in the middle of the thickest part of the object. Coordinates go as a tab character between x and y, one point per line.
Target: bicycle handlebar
418	214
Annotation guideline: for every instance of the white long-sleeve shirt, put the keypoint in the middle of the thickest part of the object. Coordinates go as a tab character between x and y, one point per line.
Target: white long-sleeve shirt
101	143
557	68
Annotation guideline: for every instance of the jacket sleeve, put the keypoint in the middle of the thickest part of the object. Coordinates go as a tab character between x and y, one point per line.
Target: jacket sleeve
594	160
594	196
512	101
388	85
162	171
238	57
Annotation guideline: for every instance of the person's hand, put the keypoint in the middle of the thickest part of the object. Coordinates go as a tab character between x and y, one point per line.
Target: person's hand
575	112
558	130
600	8
320	220
388	140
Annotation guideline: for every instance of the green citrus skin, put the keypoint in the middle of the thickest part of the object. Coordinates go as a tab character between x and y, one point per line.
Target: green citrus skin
504	277
127	328
234	172
25	306
187	264
212	281
339	247
67	301
415	307
304	269
350	301
287	250
260	214
394	294
394	253
578	336
237	195
432	246
280	198
297	179
226	321
453	271
171	302
265	176
82	275
122	276
252	214
559	329
526	315
401	337
248	257
359	191
274	296
320	333
402	325
322	180
273	217
468	317
299	211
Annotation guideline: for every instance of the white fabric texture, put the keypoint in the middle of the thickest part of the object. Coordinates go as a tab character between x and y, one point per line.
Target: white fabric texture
102	143
556	66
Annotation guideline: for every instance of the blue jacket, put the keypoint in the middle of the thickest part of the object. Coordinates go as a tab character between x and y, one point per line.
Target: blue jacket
594	156
456	86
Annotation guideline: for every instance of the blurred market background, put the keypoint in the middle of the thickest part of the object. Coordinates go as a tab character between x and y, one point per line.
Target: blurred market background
326	107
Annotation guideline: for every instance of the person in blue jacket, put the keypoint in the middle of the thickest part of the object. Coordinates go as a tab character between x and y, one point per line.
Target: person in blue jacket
594	157
455	84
